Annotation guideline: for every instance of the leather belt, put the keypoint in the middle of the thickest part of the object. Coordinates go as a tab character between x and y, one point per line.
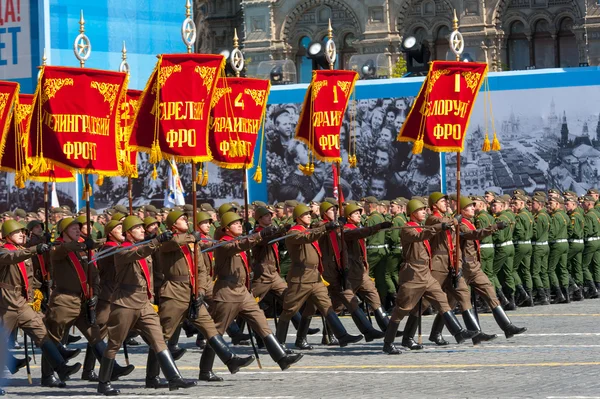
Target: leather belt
64	291
523	242
376	246
592	239
504	244
486	246
181	279
538	243
576	241
8	287
418	262
443	253
559	241
303	266
133	288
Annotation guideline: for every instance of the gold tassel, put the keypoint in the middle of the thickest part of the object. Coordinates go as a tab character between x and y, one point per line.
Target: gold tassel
486	144
205	178
87	192
495	143
306	169
199	176
418	146
154	173
352	161
20	179
100	180
155	155
258	175
42	166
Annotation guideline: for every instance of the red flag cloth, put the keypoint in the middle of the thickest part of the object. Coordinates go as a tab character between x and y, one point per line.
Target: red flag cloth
439	118
128	109
9	94
22	270
323	112
237	110
173	118
74	123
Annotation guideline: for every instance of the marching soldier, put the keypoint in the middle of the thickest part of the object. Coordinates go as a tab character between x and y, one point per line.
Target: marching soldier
132	308
41	262
469	240
398	219
522	243
304	278
484	219
15	292
540	250
416	280
377	253
559	247
576	246
504	252
591	234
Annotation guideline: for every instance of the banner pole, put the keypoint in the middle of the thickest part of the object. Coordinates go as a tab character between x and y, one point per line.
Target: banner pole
457	51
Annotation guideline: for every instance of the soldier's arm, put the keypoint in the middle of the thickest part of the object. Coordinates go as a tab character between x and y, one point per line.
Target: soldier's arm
235	247
520	229
202	276
356	234
412	235
8	257
134	254
177	242
588	225
467	234
94	277
306	238
61	251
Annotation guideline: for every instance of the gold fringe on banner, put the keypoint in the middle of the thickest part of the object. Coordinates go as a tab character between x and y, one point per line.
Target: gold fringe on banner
205	178
258	175
495	143
486	144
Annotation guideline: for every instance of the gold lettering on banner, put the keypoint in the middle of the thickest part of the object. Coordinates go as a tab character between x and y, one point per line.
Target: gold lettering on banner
180	110
235	148
446	130
180	137
163	74
207	74
445	107
434	78
327	118
52	86
329	142
73	123
108	90
218	94
22	111
345	86
317	86
80	149
3	101
259	96
235	125
472	79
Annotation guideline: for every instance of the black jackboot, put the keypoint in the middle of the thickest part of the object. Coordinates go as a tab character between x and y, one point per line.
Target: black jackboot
522	295
296	322
176	351
206	364
388	340
457	331
89	363
501	297
49	380
512	305
383	320
542	299
328	338
278	354
153	372
189	328
472	324
503	321
592	292
282	331
302	331
13	364
408	341
104	385
365	327
172	374
559	297
233	362
338	329
67	353
118	371
58	363
566	294
436	331
236	335
529	301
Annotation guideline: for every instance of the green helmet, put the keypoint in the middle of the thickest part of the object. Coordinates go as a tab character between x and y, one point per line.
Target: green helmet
66	222
118	216
325	206
10	226
172	218
414	205
81	220
131	221
465	202
149	220
31	225
300	210
226	207
435	197
202	216
351	208
260	212
108	227
229	217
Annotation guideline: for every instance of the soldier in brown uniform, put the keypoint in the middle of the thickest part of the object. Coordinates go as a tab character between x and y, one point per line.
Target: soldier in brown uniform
178	295
475	277
416	279
41	262
304	277
16	273
231	295
132	307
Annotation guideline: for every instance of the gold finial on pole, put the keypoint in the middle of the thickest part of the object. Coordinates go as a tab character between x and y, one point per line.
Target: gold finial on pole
457	43
236	58
236	40
188	28
44	58
81	23
124	66
82	45
329	30
330	49
455	21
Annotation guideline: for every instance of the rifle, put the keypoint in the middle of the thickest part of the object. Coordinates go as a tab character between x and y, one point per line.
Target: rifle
27	359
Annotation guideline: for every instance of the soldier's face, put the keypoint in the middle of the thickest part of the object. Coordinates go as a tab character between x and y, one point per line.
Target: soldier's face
181	224
395	209
419	215
18	237
204	227
305	219
489	198
355	217
37	230
152	229
497	207
73	232
235	228
469	211
117	233
266	220
137	233
442	205
330	214
279	212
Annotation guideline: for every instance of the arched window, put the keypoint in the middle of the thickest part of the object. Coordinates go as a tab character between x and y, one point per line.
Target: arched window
543	45
568	55
441	43
304	65
517	47
347	50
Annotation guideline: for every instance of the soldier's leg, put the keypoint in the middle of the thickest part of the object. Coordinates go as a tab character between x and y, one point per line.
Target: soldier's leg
590	289
500	257
391	271
520	253
536	267
484	288
293	300
171	313
102	314
507	272
554	254
367	291
378	271
407	297
545	266
59	318
562	271
487	265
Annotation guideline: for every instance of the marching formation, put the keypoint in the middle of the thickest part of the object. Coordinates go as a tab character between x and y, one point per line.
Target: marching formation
389	259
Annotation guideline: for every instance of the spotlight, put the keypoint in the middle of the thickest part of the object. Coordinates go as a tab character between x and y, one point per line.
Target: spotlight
368	69
276	75
415	52
316	53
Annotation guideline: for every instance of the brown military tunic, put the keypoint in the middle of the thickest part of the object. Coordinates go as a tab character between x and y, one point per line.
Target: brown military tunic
207	262
107	273
265	267
41	263
71	290
231	295
175	258
14	308
131	302
474	276
443	252
415	277
304	276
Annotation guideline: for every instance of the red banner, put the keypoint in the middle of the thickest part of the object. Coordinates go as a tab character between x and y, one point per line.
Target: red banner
323	112
172	121
128	109
9	94
75	120
440	116
237	109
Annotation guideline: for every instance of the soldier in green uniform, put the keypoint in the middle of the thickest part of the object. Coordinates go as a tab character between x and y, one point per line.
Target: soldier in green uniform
576	246
504	252
591	238
377	254
540	250
559	247
522	242
394	259
484	219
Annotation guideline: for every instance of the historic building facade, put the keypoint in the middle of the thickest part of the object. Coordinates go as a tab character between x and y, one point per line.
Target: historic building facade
509	34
